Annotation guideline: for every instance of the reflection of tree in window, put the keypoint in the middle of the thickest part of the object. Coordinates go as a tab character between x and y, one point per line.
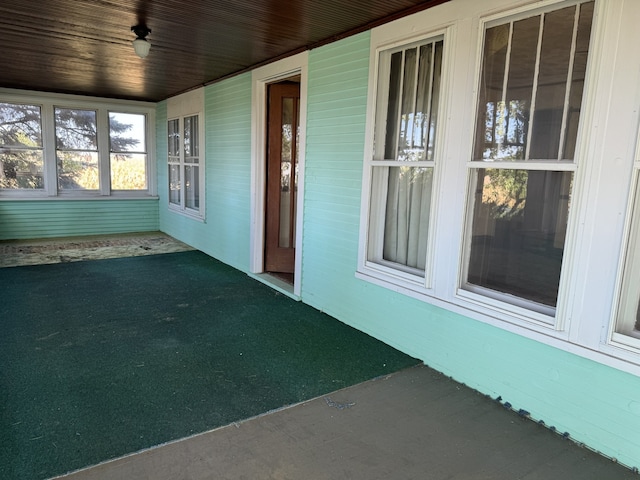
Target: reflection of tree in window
21	155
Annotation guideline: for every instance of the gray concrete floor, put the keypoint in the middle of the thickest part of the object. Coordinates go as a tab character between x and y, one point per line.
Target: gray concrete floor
415	424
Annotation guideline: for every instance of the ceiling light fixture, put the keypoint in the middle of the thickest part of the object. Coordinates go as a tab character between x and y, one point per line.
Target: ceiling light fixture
140	44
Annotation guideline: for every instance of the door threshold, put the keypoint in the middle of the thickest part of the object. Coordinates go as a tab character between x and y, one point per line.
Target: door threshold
276	283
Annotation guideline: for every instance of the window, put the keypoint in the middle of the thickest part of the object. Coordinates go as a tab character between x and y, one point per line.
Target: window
627	324
127	140
48	148
523	164
184	163
21	150
77	149
404	159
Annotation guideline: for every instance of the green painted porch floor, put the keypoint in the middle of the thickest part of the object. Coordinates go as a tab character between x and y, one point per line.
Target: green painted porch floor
107	357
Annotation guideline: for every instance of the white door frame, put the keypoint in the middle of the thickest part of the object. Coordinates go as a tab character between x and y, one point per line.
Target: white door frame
261	77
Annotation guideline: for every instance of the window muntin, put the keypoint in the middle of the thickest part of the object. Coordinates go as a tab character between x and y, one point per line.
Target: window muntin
409	84
128	151
184	163
527	126
21	148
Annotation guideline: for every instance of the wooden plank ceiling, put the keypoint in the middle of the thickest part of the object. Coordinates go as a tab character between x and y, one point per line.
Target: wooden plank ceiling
84	46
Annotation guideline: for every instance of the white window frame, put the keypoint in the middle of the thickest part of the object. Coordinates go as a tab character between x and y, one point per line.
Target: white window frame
102	107
180	107
380	271
183	162
625	311
521	308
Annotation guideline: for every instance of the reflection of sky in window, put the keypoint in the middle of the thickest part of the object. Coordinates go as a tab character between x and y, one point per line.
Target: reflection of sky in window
413	130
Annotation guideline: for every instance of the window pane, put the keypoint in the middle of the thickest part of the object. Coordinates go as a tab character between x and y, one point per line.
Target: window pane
516	109
404	216
518	233
522	70
490	119
127	135
127	132
628	315
393	103
552	83
577	79
22	169
78	171
192	187
174	184
174	138
76	129
128	171
191	140
20	126
407	216
21	155
412	109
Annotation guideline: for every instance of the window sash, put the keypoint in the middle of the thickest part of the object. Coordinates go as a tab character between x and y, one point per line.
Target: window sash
403	161
517	116
626	322
184	169
509	235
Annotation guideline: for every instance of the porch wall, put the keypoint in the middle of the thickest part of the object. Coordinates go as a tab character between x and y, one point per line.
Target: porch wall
225	232
65	218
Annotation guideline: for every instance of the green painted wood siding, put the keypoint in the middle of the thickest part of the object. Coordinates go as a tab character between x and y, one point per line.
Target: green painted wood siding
225	232
62	218
596	404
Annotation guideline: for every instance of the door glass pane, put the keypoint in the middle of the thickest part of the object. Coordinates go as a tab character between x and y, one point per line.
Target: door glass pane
287	176
519	227
174	184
